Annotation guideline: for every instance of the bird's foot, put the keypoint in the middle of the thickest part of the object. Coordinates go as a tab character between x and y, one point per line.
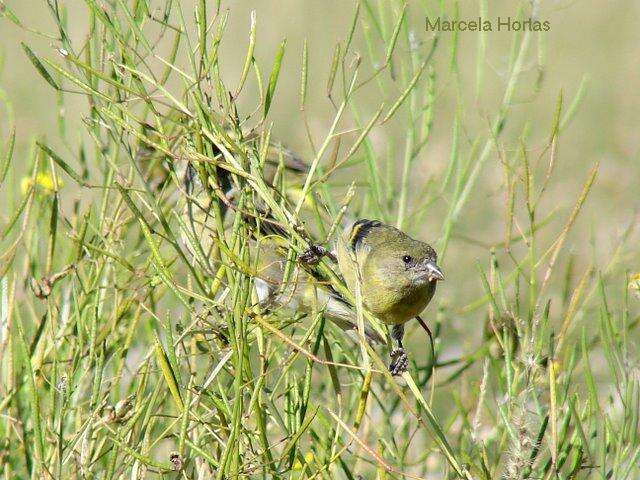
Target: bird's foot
314	254
399	362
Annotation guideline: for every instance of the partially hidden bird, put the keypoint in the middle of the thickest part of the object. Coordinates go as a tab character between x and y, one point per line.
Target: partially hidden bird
395	274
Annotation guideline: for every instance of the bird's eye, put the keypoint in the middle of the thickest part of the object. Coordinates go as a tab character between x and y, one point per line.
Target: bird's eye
407	259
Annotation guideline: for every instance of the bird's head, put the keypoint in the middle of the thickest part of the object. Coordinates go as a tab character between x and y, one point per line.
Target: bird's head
394	258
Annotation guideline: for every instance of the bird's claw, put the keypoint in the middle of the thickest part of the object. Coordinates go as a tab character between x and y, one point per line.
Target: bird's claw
314	254
399	362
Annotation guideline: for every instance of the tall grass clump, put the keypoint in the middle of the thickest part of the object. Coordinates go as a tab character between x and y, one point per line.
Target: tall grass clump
132	341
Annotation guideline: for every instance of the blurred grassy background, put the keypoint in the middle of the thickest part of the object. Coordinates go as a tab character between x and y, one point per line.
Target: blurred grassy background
588	42
591	51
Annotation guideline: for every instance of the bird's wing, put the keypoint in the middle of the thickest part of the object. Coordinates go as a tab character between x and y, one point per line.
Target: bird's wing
305	291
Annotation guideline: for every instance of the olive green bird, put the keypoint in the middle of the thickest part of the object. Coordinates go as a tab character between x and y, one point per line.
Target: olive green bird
202	198
156	166
397	276
204	190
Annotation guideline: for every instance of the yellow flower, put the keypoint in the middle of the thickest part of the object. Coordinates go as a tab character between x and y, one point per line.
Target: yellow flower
308	458
634	283
44	183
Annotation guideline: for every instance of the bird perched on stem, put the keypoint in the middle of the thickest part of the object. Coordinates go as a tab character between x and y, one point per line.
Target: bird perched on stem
396	275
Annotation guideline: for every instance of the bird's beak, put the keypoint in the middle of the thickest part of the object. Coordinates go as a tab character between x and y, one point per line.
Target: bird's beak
434	272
